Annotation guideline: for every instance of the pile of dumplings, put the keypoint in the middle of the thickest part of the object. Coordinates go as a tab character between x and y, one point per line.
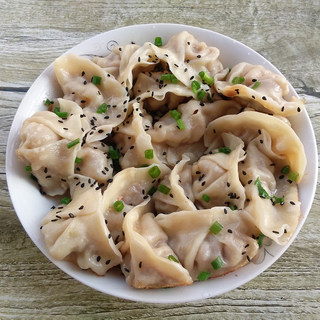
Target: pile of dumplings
169	165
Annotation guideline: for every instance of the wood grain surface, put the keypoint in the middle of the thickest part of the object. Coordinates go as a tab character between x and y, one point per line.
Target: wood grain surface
34	33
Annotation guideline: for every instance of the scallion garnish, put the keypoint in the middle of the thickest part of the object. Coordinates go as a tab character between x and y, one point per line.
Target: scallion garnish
216	227
114	154
205	198
195	86
217	263
201	94
206	78
285	169
60	113
102	109
118	205
260	238
173	258
28	168
148	154
276	200
154	172
144	165
65	200
158	41
96	80
78	160
73	143
225	150
163	189
233	207
175	114
256	85
203	275
293	176
262	192
181	124
238	80
169	77
48	102
152	191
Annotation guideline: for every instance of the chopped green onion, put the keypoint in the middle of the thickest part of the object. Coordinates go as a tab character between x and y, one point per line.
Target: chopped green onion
256	85
217	263
203	275
260	238
102	109
73	143
28	168
293	176
114	154
233	207
206	78
154	172
59	113
78	160
209	98
181	124
158	41
96	80
65	200
238	80
144	165
152	191
118	205
205	197
48	102
262	192
33	177
148	154
276	200
163	189
173	258
285	169
175	114
216	228
201	94
225	150
195	86
169	77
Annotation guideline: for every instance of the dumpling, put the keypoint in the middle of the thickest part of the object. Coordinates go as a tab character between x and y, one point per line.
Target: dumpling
228	247
77	231
50	143
148	261
257	84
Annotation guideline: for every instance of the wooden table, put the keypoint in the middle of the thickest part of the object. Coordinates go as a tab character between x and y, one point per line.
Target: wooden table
34	33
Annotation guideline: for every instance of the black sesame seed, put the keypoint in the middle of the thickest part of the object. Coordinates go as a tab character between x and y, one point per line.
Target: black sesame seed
108	261
98	258
225	210
71	215
292	203
81	207
140	264
109	236
229	230
264	98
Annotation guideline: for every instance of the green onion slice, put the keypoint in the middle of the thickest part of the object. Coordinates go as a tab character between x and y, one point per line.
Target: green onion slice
96	80
169	77
118	205
256	85
73	143
60	113
293	176
285	169
217	263
260	239
148	154
154	172
48	102
163	189
28	168
175	114
201	94
152	191
225	150
203	275
205	198
78	160
206	78
216	227
238	80
102	109
65	200
181	124
173	258
233	207
195	86
262	192
158	41
276	200
114	154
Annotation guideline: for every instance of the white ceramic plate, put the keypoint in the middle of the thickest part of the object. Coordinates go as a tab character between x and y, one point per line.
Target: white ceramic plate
31	206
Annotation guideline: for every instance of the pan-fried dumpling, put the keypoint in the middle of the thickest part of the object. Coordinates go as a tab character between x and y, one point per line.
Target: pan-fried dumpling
256	83
148	261
78	232
201	250
45	139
